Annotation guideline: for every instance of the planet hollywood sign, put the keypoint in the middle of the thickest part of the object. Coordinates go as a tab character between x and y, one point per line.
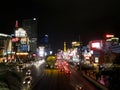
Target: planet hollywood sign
20	32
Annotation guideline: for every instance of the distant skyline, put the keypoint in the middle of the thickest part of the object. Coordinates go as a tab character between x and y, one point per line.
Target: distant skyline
65	20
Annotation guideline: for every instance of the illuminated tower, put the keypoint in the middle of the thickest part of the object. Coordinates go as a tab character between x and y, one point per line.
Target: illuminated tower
64	46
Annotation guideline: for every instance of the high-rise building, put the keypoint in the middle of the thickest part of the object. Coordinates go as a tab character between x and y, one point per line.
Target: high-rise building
44	41
31	27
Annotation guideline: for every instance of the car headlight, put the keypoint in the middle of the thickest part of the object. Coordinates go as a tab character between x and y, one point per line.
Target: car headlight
28	82
23	82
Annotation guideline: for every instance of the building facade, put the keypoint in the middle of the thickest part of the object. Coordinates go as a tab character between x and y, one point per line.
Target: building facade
31	27
5	47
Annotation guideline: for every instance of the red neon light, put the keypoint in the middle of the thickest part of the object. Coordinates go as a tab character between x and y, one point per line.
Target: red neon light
16	24
108	35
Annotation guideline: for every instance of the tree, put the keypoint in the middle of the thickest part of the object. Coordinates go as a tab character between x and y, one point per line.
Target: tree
9	78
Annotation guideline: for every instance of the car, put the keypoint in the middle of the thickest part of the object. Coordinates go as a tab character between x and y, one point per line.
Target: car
28	72
79	87
67	70
27	80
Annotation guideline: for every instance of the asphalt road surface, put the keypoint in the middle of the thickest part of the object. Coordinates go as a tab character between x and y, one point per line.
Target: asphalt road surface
53	79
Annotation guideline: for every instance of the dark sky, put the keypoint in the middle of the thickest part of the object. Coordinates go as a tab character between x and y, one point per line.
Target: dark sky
65	20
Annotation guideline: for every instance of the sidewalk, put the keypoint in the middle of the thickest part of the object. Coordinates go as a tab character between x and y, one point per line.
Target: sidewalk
91	77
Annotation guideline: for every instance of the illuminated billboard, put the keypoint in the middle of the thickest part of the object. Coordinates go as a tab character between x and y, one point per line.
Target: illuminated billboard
96	44
23	48
41	51
20	32
109	35
15	39
24	40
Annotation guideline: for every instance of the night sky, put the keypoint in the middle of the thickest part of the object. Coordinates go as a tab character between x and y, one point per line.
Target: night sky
64	20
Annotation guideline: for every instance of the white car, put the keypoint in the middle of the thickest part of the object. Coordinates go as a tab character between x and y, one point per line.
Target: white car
27	80
28	72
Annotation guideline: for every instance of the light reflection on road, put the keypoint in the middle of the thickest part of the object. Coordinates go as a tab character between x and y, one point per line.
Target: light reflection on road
37	64
37	69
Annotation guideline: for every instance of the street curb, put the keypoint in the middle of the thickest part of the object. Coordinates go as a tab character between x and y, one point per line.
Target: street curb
100	87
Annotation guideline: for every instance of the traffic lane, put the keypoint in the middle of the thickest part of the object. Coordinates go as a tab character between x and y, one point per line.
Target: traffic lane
54	80
77	79
37	72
